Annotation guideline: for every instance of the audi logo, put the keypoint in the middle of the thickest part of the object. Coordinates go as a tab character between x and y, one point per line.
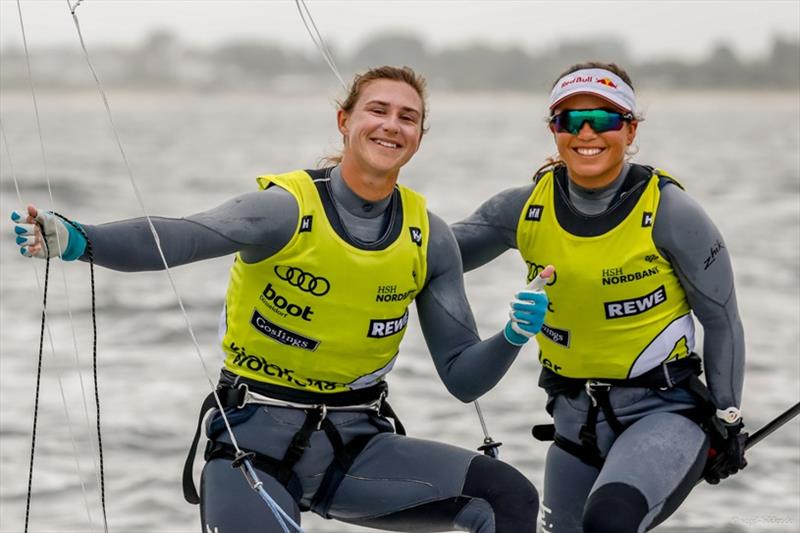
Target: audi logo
318	286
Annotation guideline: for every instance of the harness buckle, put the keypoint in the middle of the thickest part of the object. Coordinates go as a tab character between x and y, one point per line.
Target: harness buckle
667	377
592	386
323	412
245	390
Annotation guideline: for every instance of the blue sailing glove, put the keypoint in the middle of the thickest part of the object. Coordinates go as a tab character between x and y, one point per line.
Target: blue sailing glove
527	310
62	239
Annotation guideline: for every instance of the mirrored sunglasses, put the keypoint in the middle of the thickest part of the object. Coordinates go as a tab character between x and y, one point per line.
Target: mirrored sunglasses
600	120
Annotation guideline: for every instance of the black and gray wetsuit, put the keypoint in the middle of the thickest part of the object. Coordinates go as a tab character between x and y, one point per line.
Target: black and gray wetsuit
396	482
651	467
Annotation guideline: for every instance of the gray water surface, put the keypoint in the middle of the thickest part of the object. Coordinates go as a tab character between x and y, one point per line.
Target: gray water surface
738	154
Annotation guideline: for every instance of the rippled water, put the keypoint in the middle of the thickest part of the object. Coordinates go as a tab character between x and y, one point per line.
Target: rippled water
738	154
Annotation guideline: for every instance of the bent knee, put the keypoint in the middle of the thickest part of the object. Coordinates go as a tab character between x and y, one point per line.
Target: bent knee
615	508
513	499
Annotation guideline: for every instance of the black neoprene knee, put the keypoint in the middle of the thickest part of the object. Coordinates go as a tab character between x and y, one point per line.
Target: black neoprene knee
614	508
512	497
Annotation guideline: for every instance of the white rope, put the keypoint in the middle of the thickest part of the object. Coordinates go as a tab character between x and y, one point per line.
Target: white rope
59	375
139	200
64	281
270	502
328	57
316	36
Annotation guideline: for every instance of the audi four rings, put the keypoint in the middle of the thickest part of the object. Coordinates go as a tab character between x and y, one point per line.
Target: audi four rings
316	285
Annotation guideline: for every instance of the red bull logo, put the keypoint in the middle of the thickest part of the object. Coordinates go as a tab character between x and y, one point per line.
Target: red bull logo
576	79
607	82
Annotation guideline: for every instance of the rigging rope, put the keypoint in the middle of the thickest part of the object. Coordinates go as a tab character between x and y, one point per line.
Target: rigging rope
489	446
316	36
245	465
98	471
59	376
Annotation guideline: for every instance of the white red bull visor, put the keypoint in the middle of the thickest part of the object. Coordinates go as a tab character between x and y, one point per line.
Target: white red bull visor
597	81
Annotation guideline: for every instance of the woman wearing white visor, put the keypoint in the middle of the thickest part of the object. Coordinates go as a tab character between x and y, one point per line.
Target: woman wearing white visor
635	259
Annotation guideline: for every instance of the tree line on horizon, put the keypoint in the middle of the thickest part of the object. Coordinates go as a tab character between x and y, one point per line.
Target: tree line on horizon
162	60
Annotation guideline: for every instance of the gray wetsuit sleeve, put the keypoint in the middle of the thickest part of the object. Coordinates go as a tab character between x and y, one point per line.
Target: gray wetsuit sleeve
492	228
468	366
257	224
688	238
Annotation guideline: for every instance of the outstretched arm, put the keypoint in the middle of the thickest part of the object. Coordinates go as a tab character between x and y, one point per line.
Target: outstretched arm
257	224
687	236
468	366
492	228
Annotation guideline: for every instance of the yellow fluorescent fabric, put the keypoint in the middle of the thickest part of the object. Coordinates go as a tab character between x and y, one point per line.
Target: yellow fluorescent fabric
322	315
616	308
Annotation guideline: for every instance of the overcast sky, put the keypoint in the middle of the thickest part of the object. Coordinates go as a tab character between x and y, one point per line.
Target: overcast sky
651	28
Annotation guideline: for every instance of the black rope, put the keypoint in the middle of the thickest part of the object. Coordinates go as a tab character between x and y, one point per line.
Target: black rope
90	255
38	380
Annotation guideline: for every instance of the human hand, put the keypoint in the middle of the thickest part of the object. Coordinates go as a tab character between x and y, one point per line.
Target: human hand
726	457
528	309
60	238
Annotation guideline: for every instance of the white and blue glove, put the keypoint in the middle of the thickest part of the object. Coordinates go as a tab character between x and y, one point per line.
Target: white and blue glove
527	310
61	238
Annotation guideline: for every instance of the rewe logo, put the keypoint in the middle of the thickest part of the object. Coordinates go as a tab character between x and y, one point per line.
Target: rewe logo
282	306
387	327
635	306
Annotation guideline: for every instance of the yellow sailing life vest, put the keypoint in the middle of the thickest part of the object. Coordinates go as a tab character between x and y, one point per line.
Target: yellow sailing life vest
321	314
616	307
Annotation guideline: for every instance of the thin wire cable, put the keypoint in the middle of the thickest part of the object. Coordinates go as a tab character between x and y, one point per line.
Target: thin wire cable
245	463
59	375
140	201
63	273
316	36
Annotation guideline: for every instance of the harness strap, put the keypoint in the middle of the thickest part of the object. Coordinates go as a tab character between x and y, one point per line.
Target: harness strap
588	433
343	458
229	397
386	411
586	456
599	396
265	463
300	442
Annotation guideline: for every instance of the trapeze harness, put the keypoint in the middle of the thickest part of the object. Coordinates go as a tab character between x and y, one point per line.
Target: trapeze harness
637	300
287	341
682	374
245	392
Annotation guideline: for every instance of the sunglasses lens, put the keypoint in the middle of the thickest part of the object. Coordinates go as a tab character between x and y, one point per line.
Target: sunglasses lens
600	120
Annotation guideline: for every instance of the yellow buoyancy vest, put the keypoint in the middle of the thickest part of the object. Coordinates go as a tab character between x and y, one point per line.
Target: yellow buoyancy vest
321	314
616	307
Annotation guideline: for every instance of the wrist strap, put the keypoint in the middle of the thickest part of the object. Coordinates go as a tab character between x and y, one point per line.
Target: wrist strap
731	415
